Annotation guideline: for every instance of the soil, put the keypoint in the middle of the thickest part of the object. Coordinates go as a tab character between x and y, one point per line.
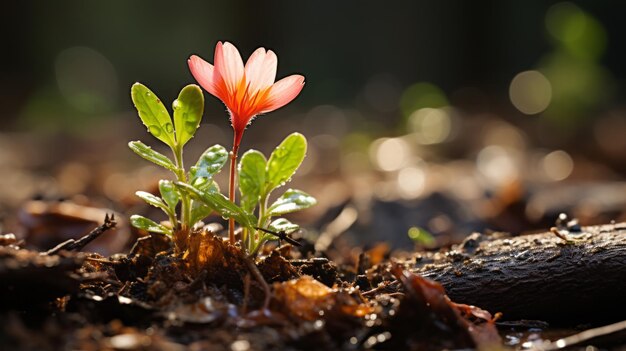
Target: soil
209	297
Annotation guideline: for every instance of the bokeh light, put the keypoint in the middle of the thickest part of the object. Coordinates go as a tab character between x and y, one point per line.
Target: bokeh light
558	165
421	95
411	181
579	33
430	125
530	92
504	134
389	154
498	165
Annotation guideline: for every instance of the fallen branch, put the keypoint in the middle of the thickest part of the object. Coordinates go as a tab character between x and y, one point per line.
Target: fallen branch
539	276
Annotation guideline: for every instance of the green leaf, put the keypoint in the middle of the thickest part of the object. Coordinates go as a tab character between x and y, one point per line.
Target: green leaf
147	153
199	211
169	193
188	110
210	162
285	160
251	178
144	223
292	200
205	184
283	225
221	204
154	201
153	114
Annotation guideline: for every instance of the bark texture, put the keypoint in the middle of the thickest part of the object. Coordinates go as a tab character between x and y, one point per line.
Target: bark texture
538	276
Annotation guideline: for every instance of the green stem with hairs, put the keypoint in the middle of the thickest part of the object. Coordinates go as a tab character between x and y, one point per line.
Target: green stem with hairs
185	209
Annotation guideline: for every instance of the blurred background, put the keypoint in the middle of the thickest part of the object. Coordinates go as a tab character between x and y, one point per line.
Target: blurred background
426	120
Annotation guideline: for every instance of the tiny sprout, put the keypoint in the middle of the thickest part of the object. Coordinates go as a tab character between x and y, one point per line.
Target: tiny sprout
421	236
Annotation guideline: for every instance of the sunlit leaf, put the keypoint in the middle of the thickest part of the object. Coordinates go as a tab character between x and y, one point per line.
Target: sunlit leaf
147	153
169	193
285	160
251	178
154	201
188	110
153	114
149	225
292	200
283	225
210	163
220	204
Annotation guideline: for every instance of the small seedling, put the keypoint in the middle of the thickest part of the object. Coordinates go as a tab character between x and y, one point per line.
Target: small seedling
188	109
246	91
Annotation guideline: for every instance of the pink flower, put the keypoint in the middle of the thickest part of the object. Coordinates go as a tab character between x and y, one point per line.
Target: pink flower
249	90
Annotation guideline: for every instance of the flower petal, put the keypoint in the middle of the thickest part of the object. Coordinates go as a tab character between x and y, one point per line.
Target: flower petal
229	65
282	92
261	70
203	72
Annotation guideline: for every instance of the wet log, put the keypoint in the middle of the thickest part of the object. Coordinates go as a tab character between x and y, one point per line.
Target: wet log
564	277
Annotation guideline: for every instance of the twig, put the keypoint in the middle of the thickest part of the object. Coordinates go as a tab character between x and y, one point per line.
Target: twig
246	293
101	260
259	277
379	288
585	336
71	244
281	235
556	232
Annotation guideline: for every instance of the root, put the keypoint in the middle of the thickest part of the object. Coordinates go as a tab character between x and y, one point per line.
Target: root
259	277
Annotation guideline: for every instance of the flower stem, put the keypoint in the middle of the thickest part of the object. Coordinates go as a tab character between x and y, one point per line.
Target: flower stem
231	189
